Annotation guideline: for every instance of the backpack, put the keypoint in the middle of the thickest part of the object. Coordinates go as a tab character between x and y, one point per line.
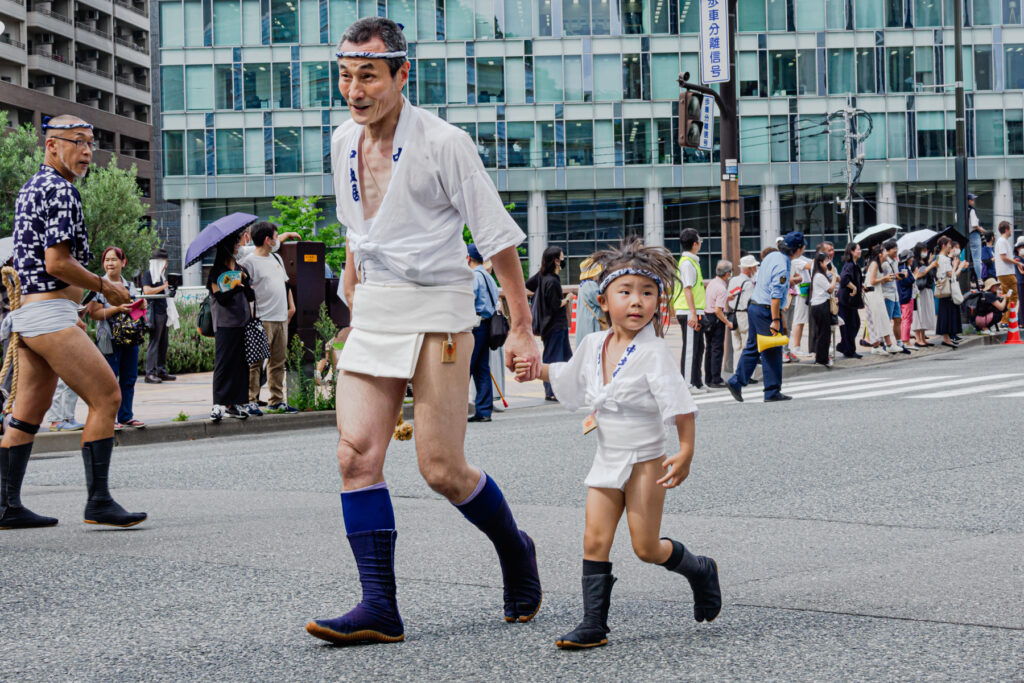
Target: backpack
204	319
971	306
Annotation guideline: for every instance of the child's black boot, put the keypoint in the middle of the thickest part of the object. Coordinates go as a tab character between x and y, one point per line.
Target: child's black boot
702	574
597	596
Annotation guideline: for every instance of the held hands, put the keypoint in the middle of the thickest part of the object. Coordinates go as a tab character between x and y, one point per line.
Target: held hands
677	468
522	355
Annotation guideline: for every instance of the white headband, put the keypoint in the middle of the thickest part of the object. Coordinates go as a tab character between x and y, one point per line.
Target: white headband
628	271
372	55
64	126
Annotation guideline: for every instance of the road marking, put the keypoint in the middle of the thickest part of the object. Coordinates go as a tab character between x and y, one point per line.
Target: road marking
802	390
932	385
971	390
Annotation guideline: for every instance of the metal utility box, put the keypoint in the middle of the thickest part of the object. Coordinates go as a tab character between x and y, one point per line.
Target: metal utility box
304	264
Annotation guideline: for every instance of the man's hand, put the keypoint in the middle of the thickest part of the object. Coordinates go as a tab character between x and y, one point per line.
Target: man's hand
678	468
729	325
522	355
776	326
115	293
692	322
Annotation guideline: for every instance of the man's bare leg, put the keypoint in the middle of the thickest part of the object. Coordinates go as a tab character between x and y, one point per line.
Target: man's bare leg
367	408
441	409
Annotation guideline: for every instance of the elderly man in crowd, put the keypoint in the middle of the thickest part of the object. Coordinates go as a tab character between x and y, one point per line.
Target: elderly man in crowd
716	323
740	288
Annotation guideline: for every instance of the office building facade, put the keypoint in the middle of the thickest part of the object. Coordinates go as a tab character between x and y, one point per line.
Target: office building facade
572	104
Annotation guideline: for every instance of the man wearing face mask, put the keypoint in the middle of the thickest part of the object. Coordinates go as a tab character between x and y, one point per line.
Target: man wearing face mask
154	281
274	306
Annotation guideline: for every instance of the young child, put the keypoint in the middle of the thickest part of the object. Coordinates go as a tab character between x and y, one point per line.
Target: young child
633	385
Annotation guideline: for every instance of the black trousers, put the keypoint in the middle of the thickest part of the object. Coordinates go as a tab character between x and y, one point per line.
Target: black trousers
848	332
230	371
156	352
821	315
714	350
691	358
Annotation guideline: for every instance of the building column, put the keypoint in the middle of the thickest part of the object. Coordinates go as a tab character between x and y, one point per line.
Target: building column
654	217
771	216
888	211
193	276
537	229
1002	204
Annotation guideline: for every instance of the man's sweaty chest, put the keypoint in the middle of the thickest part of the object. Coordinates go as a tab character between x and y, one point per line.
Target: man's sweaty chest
375	177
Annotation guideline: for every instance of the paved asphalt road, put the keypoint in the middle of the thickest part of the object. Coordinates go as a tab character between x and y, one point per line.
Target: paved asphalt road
871	529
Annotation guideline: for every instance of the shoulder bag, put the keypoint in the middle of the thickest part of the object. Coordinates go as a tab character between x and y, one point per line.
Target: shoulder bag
497	324
254	336
944	287
124	331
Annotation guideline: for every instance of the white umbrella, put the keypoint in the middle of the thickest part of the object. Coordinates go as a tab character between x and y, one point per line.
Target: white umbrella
876	234
6	249
911	239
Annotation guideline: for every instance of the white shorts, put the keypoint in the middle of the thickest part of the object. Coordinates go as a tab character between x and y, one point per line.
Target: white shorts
801	311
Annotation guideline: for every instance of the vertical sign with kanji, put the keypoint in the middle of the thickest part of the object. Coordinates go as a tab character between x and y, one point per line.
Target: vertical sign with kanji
707	119
714	41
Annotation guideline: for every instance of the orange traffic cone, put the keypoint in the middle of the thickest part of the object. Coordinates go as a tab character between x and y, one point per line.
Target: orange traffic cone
572	324
1013	336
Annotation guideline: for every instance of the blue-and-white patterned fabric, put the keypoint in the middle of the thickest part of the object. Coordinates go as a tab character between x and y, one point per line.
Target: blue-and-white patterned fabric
48	212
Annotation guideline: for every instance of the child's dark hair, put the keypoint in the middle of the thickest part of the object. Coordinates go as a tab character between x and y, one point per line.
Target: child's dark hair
636	255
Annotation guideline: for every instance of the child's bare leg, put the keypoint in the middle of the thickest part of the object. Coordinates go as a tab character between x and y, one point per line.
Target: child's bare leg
604	509
644	503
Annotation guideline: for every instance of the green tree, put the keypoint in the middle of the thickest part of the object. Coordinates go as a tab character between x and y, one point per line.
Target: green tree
301	214
114	213
20	157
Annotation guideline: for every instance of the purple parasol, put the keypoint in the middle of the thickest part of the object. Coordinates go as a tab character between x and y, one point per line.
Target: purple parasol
214	233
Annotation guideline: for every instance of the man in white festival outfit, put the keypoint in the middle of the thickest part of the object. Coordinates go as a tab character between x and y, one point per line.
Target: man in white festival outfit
406	183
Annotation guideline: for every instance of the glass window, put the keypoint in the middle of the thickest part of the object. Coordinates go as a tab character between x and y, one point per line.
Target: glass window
343	13
573	68
227	22
782	72
808	72
664	72
897	124
547	79
284	21
1011	12
779	137
174	149
579	143
637	144
1014	131
459	17
604	144
632	77
665	142
520	144
901	69
576	18
894	13
223	87
867	13
172	25
484	19
195	141
515	74
865	69
518	19
194	23
928	13
813	144
456	81
426	18
750	15
252	21
230	151
983	67
989	132
287	150
255	157
835	13
544	18
754	138
404	12
1014	67
256	88
987	12
777	15
840	71
874	146
547	143
810	16
931	134
309	21
283	85
659	13
607	78
316	84
198	87
600	17
949	62
430	78
172	88
689	17
336	98
748	74
924	63
490	80
312	150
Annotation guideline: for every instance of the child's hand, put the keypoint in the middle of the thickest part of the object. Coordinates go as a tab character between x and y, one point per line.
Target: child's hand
678	468
522	368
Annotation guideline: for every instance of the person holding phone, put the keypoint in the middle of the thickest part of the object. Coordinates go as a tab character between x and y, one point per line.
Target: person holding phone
819	296
879	320
230	286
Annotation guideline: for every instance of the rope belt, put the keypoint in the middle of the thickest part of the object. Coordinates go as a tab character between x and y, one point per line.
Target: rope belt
13	284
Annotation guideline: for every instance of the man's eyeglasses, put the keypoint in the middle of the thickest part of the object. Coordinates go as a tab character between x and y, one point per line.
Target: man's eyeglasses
80	144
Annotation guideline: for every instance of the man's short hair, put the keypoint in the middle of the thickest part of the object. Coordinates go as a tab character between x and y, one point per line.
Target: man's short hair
889	244
1005	227
724	267
688	238
261	232
366	29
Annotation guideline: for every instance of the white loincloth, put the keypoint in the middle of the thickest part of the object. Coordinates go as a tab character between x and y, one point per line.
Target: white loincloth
621	443
41	317
389	323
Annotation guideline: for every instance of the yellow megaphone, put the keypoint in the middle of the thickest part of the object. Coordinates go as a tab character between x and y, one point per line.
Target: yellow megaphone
765	342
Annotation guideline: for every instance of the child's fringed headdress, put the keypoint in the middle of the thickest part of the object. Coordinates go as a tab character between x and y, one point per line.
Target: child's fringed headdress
633	257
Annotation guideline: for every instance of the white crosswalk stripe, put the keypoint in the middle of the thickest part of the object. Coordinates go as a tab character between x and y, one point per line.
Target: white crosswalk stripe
977	389
947	381
791	389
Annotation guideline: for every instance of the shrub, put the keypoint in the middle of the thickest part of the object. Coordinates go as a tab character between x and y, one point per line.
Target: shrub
303	391
187	350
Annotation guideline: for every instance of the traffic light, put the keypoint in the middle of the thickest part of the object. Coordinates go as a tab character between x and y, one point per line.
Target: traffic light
690	125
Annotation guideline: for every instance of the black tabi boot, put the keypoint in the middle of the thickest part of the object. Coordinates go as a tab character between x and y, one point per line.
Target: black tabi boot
593	630
702	574
101	507
14	515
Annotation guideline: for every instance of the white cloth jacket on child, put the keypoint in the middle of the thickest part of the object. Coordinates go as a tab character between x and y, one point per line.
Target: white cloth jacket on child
646	393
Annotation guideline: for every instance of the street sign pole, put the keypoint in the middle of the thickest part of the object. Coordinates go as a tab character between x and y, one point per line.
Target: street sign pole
961	122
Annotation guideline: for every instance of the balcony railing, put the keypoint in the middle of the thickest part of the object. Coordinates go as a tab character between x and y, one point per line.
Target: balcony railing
51	14
128	5
38	52
7	40
18	2
134	84
132	46
93	70
92	29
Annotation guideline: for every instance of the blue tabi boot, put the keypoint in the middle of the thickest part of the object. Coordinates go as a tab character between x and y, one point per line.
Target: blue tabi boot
517	555
375	619
702	574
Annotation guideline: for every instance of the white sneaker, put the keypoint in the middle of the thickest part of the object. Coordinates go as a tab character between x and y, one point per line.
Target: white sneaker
699	390
987	333
879	351
217	414
891	349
